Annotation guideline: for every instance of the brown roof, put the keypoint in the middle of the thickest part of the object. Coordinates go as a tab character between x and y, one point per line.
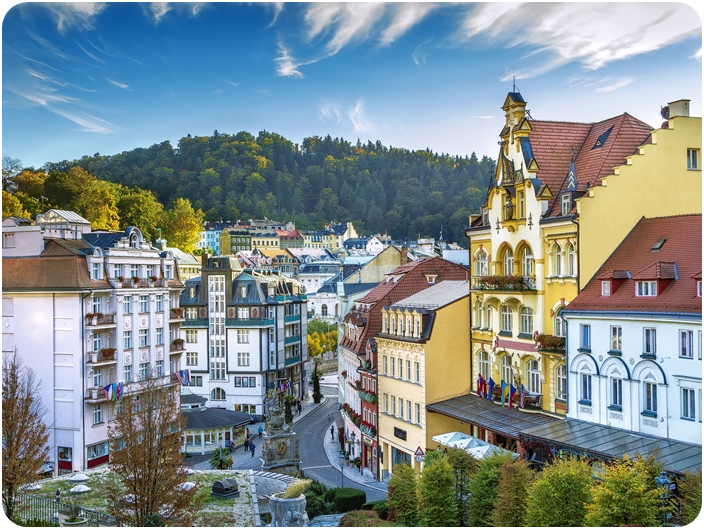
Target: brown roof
47	273
400	283
675	266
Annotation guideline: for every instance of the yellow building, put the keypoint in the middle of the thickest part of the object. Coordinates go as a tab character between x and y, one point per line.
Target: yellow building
422	359
264	239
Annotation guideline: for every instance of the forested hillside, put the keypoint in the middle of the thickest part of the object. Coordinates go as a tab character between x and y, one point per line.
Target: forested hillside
241	176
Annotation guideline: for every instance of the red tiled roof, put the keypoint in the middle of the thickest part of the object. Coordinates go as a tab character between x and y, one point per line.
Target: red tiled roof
47	273
681	254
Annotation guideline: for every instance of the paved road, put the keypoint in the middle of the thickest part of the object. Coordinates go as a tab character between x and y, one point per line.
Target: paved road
313	430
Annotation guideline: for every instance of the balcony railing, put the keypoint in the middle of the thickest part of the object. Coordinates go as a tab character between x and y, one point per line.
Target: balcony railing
550	343
177	345
177	313
98	318
499	282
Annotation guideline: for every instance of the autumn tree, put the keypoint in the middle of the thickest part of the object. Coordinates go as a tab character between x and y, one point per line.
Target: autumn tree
511	493
463	466
403	496
559	495
12	207
691	491
436	493
183	225
483	490
140	208
24	435
10	168
145	445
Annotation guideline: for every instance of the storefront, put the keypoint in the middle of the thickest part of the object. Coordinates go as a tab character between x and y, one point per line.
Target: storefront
209	428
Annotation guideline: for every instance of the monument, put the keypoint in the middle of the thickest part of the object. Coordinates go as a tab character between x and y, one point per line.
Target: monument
280	448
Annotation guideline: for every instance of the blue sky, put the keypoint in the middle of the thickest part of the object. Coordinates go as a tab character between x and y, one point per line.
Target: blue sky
86	77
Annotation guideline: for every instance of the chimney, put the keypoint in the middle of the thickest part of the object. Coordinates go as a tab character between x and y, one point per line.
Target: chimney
204	259
404	255
679	108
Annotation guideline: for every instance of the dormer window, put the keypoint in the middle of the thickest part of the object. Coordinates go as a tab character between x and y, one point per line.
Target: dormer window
566	204
606	288
699	288
646	288
431	279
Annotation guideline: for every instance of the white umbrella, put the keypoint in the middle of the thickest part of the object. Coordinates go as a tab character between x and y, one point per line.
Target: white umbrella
79	489
446	438
465	444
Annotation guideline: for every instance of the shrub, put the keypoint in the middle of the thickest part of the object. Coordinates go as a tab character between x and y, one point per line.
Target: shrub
315	506
403	497
363	519
317	488
330	494
349	499
512	493
382	509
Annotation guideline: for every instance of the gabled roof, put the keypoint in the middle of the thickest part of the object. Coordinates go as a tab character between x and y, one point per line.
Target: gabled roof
32	274
678	260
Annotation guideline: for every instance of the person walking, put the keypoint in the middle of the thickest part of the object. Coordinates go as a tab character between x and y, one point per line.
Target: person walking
260	432
246	445
251	448
332	432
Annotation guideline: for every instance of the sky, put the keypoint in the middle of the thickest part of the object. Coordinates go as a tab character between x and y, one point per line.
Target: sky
85	78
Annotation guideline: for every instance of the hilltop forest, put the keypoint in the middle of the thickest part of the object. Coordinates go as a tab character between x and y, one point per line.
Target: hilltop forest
381	189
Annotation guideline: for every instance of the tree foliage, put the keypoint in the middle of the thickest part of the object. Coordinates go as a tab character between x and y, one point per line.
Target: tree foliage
483	489
220	459
183	225
24	435
691	490
436	493
559	495
145	443
403	496
463	466
512	493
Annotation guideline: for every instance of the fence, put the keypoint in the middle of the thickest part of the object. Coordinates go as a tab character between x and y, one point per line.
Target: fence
31	507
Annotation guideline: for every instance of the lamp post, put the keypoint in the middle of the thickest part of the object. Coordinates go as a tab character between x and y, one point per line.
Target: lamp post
664	486
342	469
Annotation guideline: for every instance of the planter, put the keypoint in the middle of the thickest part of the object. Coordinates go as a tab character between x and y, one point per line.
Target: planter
78	523
288	512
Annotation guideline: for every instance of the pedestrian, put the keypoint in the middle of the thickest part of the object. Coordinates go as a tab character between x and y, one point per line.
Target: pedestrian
300	407
251	448
332	432
246	444
229	462
260	432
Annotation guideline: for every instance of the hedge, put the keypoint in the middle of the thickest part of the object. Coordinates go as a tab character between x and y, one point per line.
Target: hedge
349	499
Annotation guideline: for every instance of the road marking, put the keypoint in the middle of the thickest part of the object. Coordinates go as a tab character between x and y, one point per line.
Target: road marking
321	466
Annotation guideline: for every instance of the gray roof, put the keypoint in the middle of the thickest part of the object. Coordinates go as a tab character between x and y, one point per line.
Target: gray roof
214	418
612	443
436	296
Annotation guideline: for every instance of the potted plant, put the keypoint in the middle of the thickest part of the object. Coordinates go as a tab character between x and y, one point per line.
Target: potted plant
108	353
153	279
70	515
288	508
135	280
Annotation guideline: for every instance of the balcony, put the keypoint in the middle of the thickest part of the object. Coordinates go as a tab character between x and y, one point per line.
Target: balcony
500	282
202	322
177	345
550	344
98	319
177	313
104	356
293	360
95	395
246	322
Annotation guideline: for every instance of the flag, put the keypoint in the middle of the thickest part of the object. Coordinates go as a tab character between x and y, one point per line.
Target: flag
119	389
107	391
187	376
489	394
511	394
504	386
179	376
523	396
480	385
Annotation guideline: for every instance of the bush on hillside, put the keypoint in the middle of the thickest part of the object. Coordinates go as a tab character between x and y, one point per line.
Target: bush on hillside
348	499
363	519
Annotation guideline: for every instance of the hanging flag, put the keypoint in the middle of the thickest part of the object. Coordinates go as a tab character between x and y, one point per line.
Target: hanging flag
119	389
179	376
187	376
523	396
503	392
107	391
511	394
480	385
489	394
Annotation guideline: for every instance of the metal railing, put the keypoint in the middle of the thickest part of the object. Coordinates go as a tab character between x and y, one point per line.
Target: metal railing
36	508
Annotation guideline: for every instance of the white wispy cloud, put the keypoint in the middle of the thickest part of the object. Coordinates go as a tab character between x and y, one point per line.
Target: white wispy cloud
86	122
404	17
286	65
420	52
232	83
589	33
90	54
156	11
359	119
118	84
78	15
330	111
615	84
276	7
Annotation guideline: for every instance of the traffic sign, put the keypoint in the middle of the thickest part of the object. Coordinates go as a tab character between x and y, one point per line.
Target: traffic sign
419	452
420	458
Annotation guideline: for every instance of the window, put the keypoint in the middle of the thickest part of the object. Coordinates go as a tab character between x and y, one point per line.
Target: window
484	364
386	402
408	370
159	368
506	319
416	321
566	203
191	336
686	344
400	325
693	159
97	414
571	260
559	325
650	398
97	341
506	370
97	377
392	324
699	288
488	322
616	343
481	264
417	372
585	336
116	271
127	373
400	407
561	375
243	359
143	303
646	288
533	377
96	272
192	313
159	335
688	404
526	320
520	197
409	416
143	337
168	272
192	358
8	240
649	342
556	260
242	336
616	393
606	288
218	394
127	339
586	389
243	313
508	262
527	262
386	365
134	270
478	315
385	324
393	406
417	413
144	371
393	367
159	307
400	368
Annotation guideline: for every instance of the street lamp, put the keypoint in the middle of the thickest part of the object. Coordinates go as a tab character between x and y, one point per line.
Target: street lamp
342	469
665	486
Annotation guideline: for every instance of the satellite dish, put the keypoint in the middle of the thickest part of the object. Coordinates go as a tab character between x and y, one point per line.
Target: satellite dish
665	112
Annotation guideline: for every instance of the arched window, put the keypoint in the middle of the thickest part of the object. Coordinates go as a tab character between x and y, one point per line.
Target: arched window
506	318
400	325
487	322
527	262
484	365
508	262
559	325
385	324
557	260
526	320
533	377
571	260
561	375
392	324
324	310
409	327
478	315
218	394
506	370
481	264
416	321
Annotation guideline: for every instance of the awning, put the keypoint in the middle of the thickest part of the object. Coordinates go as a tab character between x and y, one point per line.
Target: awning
475	447
609	443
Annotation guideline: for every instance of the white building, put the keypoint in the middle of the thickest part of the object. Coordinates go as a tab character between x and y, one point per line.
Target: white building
245	333
634	335
72	316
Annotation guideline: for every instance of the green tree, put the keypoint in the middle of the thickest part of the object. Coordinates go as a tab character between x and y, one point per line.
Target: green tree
140	208
512	494
625	496
220	459
463	465
12	207
183	225
691	491
559	495
403	496
483	490
436	493
317	394
10	168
